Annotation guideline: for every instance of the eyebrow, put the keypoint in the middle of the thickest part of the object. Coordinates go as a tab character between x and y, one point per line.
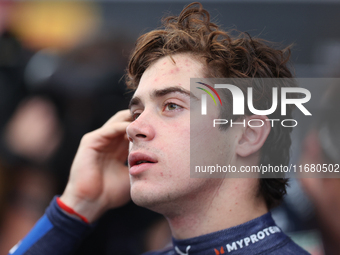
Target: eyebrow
157	93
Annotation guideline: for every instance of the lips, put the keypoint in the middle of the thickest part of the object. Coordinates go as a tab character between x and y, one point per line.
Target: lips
140	162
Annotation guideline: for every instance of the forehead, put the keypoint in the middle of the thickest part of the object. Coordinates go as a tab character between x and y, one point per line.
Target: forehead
170	71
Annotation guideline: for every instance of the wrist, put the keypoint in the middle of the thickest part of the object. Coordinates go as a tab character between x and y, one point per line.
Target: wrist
90	210
69	211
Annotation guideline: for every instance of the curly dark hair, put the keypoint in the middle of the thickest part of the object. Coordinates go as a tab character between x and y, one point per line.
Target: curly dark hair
225	56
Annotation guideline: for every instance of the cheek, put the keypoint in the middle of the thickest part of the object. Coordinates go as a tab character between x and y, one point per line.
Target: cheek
201	132
176	132
176	145
209	145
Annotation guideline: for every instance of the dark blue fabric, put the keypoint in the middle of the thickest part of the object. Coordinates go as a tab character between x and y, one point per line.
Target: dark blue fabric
63	237
258	236
40	229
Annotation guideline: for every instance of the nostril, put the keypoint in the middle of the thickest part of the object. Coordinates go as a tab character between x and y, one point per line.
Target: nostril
141	136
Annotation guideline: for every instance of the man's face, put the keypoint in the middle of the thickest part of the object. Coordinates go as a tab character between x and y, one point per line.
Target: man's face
159	137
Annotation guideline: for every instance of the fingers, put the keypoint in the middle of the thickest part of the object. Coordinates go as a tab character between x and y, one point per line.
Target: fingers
116	125
120	116
100	160
113	130
111	134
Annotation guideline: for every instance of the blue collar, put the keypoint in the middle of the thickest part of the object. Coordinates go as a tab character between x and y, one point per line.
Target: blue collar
255	236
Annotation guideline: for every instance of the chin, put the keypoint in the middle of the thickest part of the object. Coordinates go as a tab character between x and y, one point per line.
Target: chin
142	196
150	199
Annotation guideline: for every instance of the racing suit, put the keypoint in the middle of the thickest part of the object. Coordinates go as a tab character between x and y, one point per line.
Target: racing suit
56	233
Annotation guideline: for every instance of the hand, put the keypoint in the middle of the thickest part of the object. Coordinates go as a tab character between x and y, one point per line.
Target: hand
99	179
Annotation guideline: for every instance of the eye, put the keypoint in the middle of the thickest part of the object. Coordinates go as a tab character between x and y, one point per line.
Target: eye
172	106
135	116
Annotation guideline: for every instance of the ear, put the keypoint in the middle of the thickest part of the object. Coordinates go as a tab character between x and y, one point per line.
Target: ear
254	135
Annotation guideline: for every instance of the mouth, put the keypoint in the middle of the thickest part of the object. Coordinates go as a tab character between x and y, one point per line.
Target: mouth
137	159
143	161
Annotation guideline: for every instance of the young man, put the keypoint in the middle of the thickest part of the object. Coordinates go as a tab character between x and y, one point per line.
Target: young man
206	215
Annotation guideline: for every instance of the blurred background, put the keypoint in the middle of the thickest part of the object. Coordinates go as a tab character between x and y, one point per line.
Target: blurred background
61	69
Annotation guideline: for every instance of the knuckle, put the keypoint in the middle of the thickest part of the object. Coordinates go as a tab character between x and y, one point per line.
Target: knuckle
87	137
122	113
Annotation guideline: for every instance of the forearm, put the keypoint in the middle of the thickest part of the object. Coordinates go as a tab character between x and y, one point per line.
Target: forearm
55	234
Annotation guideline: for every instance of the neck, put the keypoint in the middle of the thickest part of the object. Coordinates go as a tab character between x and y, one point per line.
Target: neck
230	204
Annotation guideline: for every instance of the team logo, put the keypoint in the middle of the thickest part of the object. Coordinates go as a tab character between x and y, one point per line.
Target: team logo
182	253
218	252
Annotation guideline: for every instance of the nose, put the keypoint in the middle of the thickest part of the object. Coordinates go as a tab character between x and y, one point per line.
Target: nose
141	129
